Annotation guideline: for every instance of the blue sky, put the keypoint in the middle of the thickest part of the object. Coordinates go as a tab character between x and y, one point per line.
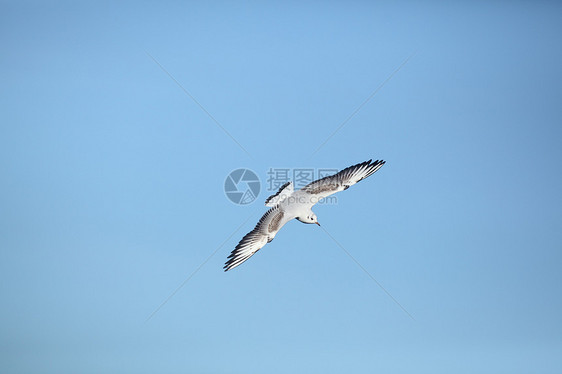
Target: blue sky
112	187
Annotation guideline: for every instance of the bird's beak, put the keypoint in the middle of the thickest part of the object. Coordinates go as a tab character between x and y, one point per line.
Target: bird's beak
317	223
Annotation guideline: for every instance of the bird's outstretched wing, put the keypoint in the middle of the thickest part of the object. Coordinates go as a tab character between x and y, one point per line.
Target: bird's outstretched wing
340	181
264	232
284	192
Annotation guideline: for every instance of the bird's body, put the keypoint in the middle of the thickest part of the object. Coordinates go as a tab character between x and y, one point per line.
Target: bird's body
288	204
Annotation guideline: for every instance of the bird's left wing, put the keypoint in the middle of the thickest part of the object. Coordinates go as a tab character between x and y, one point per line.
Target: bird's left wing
264	232
342	180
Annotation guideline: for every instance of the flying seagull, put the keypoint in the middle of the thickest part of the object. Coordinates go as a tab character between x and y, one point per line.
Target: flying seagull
287	204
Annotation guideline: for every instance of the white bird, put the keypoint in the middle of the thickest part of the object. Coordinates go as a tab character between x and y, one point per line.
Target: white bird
288	204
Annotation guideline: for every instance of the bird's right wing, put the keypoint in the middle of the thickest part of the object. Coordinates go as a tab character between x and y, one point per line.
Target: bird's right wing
264	232
342	180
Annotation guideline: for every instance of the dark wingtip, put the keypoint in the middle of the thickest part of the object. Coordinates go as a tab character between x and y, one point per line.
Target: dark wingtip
277	193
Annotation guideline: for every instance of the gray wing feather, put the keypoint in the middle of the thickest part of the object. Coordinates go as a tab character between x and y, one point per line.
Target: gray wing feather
263	233
343	179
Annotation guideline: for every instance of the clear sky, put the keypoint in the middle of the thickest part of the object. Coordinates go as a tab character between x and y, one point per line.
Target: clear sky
112	186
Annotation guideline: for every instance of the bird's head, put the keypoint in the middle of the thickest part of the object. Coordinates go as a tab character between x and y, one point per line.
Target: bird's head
309	218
